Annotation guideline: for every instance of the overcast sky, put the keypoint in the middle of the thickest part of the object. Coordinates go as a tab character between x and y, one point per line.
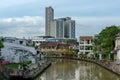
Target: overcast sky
25	18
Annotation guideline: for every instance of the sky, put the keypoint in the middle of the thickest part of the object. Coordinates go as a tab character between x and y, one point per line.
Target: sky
26	18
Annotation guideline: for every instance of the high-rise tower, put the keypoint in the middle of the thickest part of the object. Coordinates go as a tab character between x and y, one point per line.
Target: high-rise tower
58	28
49	17
63	28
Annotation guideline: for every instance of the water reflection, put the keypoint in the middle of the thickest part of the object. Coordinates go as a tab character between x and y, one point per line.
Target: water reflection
64	69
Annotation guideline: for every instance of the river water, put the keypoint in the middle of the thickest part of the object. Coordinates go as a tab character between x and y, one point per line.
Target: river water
66	69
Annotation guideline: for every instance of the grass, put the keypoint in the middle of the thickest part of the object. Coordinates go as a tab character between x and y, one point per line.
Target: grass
15	65
3	79
11	66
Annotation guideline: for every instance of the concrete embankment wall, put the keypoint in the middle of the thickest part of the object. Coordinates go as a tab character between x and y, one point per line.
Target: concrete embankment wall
100	64
33	76
93	61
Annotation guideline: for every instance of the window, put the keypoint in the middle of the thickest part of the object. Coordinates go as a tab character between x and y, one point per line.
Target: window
88	41
21	42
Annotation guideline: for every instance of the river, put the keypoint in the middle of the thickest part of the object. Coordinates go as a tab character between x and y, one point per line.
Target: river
66	69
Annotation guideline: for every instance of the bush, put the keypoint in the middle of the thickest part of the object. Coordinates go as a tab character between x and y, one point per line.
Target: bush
26	63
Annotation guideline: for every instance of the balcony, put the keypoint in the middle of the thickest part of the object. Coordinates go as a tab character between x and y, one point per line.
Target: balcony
85	44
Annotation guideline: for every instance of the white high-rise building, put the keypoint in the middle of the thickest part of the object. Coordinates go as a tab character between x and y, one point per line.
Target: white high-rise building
72	29
63	28
59	28
69	28
49	16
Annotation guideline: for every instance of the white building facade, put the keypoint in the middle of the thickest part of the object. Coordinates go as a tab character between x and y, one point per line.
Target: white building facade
15	40
85	45
49	16
117	48
16	51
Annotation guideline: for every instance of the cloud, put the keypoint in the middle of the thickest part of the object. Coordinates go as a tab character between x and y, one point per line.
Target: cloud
28	26
22	26
93	25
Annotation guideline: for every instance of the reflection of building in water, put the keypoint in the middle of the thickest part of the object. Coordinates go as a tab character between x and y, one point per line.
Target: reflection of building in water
77	74
65	72
84	72
74	70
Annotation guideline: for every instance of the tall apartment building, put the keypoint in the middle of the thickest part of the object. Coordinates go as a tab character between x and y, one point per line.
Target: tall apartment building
59	28
63	28
85	45
49	16
69	28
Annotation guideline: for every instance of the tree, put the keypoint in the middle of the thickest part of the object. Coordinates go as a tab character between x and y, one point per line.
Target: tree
104	42
1	45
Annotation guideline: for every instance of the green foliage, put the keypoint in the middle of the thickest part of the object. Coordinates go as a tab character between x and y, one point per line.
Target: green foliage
88	48
2	78
69	51
15	65
26	63
33	45
1	44
104	42
71	41
30	43
83	55
11	66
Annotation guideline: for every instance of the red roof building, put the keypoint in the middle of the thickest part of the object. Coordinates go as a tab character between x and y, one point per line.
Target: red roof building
85	45
86	37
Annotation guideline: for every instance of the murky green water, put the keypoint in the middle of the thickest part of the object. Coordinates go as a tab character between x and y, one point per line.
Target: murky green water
64	69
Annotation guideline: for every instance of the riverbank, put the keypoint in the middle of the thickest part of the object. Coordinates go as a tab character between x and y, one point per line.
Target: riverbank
109	65
31	74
